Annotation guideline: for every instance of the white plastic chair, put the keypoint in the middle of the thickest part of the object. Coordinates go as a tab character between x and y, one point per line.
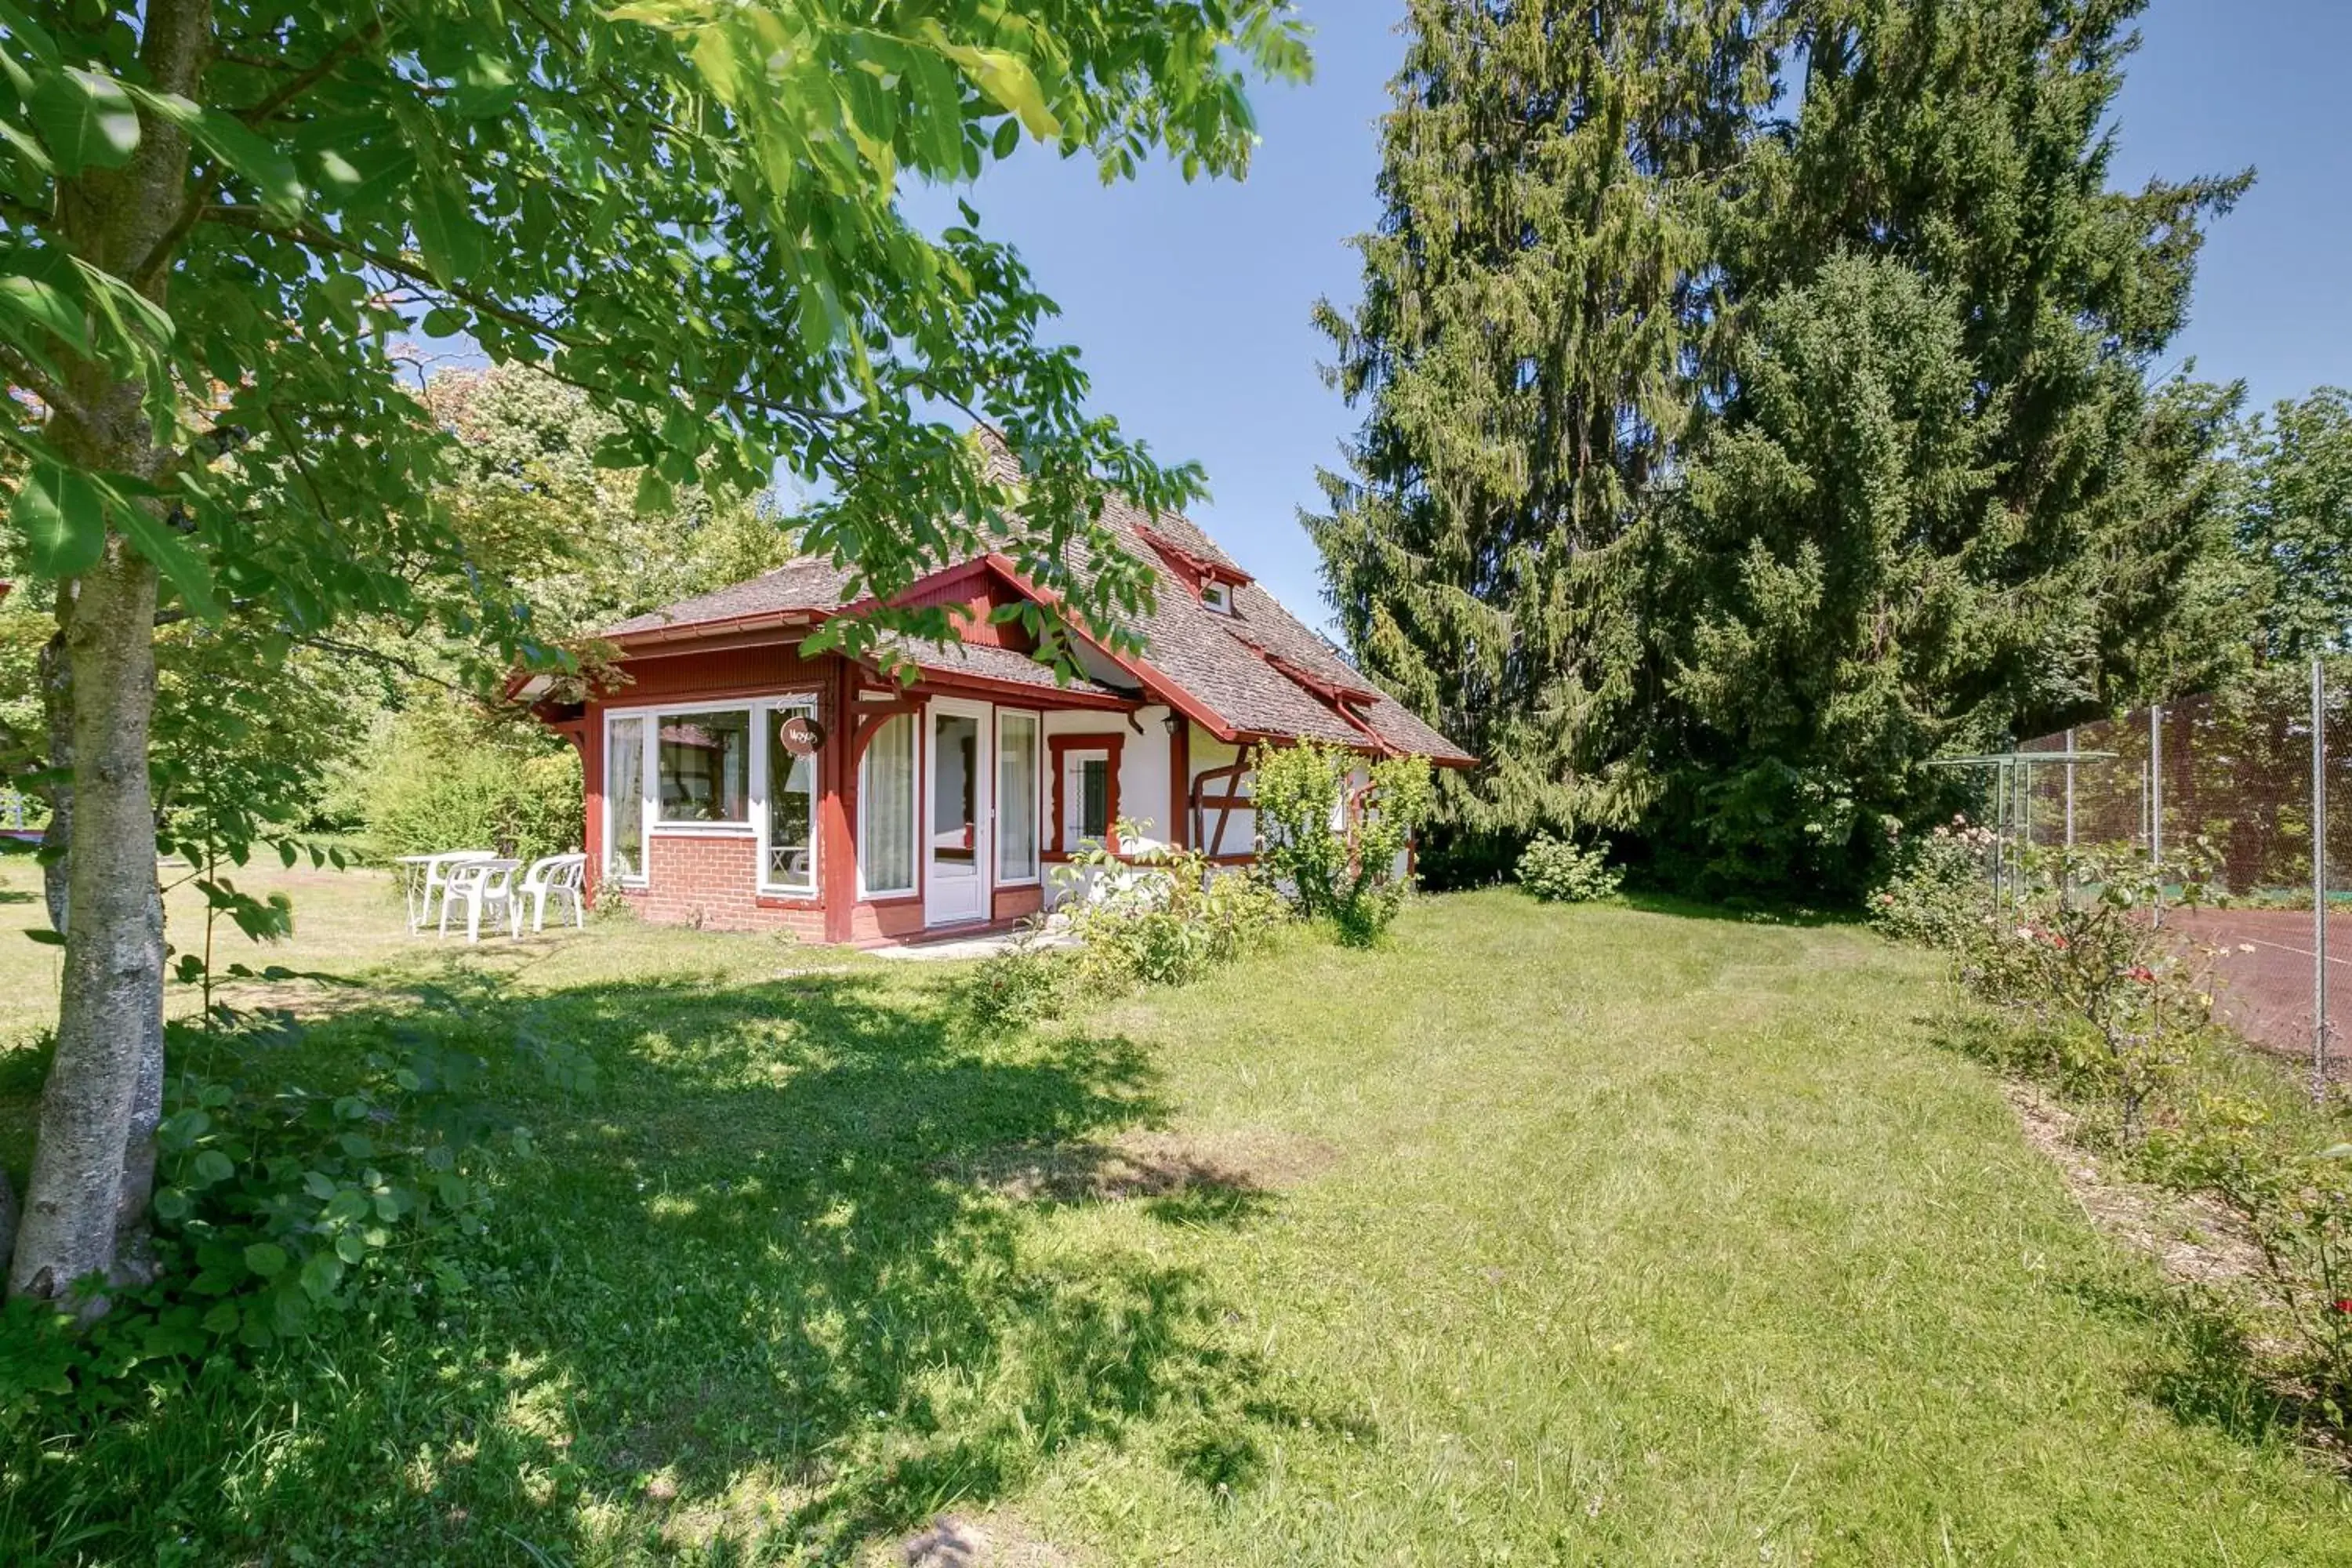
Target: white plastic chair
556	876
484	886
425	879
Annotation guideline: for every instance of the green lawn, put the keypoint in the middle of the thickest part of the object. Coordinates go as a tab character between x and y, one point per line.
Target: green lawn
1540	1236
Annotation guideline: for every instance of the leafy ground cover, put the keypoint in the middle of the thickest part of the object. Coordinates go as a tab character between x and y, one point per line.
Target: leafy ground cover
1592	1233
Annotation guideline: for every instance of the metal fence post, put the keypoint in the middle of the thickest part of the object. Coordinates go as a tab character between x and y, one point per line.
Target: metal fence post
2069	790
2318	880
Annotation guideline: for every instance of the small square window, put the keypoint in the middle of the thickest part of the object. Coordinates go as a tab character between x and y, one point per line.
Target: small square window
1218	597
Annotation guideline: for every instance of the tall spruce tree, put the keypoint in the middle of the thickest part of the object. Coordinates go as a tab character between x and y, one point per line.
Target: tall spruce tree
1537	300
1972	141
1711	648
1824	621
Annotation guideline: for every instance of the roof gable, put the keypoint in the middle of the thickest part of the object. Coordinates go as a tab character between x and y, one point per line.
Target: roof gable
1250	671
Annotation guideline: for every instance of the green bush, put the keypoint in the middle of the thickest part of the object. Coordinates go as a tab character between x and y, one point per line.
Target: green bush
1028	983
2257	1159
1940	887
1336	852
1166	917
446	776
1557	871
275	1208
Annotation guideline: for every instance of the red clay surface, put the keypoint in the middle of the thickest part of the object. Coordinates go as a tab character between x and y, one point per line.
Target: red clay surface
2266	994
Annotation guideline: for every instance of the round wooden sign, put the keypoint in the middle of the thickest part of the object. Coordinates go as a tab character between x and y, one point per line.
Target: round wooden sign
801	735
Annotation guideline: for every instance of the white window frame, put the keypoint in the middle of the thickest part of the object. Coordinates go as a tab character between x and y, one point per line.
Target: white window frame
1072	835
763	718
652	826
914	815
754	793
1039	811
611	806
1218	597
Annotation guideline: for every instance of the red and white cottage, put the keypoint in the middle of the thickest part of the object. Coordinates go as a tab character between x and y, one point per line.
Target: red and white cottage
734	782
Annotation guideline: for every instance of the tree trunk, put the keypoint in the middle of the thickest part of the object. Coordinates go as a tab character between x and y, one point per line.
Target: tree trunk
113	993
56	710
134	1262
94	1158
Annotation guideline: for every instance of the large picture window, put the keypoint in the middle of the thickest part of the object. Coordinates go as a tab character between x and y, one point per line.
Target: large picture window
705	766
1016	797
886	809
790	865
624	799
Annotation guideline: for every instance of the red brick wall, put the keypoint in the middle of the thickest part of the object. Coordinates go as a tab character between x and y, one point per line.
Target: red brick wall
705	879
761	671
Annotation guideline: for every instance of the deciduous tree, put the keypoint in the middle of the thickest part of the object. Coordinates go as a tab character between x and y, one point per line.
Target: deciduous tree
220	217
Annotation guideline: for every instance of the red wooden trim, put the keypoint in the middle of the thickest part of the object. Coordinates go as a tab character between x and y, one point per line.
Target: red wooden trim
1149	679
1199	569
700	632
993	689
1108	741
837	866
871	716
1142	672
591	779
1231	775
1337	698
1179	772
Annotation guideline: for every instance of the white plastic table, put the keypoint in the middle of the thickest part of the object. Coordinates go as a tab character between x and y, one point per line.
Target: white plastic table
424	879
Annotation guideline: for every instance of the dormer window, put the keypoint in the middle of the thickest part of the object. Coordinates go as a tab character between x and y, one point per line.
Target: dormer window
1218	596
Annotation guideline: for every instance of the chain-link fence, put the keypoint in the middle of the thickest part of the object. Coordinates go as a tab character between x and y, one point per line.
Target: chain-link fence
2246	774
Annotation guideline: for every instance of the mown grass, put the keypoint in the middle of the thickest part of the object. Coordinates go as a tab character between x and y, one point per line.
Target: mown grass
1603	1236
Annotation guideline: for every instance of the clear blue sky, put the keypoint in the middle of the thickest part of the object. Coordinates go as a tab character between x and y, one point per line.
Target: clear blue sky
1189	302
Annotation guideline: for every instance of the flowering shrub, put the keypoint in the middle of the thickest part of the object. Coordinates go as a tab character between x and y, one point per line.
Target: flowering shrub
2081	962
1164	916
1159	917
2296	1206
1938	889
1557	871
2102	999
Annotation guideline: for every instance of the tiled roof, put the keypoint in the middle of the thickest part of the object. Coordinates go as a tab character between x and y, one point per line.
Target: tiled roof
990	664
806	584
1219	660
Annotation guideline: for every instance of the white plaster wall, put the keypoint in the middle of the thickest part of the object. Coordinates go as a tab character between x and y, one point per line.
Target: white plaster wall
1142	761
1208	752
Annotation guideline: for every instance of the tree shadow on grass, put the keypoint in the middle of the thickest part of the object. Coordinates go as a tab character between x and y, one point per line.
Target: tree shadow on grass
1738	910
2212	1374
753	1291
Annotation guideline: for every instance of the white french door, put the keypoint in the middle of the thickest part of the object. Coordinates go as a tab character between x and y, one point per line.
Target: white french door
957	852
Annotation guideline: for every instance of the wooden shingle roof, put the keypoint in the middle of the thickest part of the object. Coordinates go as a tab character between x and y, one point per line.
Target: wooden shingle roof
1258	670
